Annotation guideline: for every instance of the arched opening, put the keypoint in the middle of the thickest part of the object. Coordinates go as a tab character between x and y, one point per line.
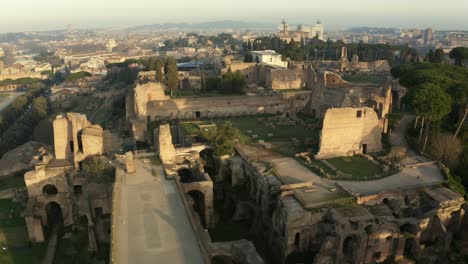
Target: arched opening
350	247
222	259
49	189
199	204
369	229
410	246
185	175
54	216
385	201
297	240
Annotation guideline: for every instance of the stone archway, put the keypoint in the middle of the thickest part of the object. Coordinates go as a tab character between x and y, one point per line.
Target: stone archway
49	189
350	247
54	214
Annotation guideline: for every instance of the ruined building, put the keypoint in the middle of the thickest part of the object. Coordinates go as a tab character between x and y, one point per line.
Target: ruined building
332	91
344	65
148	102
75	138
349	131
298	217
57	192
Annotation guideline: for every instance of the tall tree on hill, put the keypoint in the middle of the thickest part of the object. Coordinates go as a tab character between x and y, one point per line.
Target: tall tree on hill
249	45
170	69
430	56
158	67
459	54
439	56
432	103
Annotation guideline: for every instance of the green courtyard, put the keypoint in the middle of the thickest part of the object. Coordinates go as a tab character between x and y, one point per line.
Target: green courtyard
256	128
358	167
14	243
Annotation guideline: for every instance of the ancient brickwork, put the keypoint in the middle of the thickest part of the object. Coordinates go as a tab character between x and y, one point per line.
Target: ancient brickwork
348	131
280	79
56	188
395	224
205	107
75	138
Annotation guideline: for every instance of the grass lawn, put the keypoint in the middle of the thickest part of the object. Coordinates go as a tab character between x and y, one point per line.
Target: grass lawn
14	236
356	166
74	250
258	126
24	255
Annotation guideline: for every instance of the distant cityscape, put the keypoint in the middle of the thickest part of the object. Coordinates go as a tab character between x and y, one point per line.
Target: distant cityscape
234	143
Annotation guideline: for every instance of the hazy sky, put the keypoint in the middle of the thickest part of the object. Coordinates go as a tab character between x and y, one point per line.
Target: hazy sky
26	15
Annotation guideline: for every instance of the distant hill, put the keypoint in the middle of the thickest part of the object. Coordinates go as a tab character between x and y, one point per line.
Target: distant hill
214	25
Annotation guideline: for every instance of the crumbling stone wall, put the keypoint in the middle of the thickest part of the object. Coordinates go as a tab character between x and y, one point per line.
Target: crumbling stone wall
164	146
204	107
250	70
44	186
354	235
75	138
279	79
348	131
144	93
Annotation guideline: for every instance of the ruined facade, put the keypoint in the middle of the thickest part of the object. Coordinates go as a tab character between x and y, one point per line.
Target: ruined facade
57	192
349	131
185	165
345	65
148	102
332	91
75	138
311	220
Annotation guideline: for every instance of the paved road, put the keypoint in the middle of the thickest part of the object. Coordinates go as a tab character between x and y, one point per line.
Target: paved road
51	246
408	178
151	223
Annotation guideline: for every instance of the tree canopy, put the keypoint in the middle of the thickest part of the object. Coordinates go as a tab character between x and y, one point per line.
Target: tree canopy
431	102
77	76
459	54
170	69
224	138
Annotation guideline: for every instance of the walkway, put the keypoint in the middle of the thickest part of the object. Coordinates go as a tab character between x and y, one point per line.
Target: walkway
151	224
410	177
51	246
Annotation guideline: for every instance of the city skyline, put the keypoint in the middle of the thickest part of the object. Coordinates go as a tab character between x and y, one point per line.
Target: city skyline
29	15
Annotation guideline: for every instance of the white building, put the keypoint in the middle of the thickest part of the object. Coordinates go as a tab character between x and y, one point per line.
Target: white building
111	44
268	57
315	30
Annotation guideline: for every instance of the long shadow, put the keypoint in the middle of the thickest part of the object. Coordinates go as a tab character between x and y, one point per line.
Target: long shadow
188	258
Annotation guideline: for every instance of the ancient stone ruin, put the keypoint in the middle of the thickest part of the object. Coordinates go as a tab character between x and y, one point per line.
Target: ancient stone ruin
349	131
58	194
